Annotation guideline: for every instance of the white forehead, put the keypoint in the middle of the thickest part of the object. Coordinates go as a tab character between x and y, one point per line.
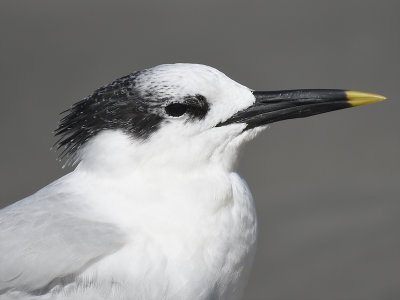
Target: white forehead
182	79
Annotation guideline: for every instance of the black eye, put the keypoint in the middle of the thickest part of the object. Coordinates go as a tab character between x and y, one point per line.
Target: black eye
176	109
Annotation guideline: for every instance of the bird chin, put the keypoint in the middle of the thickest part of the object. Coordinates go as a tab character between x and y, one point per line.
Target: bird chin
252	133
229	152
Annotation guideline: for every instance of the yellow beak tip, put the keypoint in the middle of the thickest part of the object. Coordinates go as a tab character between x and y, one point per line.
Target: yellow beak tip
356	98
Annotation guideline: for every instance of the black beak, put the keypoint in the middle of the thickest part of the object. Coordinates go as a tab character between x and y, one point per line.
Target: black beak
276	106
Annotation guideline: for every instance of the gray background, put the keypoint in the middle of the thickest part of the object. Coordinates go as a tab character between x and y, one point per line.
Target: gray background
326	188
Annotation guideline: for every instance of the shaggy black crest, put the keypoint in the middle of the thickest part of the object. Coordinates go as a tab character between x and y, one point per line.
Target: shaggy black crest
119	105
115	106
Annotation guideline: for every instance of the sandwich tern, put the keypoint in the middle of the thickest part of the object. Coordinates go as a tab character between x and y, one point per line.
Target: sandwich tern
154	208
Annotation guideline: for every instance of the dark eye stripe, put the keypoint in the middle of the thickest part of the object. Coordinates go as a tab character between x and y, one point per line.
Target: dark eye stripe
195	106
198	106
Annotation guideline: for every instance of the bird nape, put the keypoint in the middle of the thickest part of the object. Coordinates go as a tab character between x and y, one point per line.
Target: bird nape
154	208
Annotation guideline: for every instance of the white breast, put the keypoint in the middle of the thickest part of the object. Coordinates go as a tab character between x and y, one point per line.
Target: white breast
191	237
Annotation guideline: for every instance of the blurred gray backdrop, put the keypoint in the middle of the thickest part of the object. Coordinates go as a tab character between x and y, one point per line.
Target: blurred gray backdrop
327	188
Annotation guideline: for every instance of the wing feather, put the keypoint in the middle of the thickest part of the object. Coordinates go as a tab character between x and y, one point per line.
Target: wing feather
43	238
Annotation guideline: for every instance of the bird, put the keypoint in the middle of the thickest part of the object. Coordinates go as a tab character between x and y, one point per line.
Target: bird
154	207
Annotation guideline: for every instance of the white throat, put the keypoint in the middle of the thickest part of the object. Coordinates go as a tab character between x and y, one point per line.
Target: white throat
115	153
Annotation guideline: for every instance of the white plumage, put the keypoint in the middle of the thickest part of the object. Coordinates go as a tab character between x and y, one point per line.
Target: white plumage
154	209
164	218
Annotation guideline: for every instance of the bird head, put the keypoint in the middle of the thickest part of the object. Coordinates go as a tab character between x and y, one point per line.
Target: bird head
184	115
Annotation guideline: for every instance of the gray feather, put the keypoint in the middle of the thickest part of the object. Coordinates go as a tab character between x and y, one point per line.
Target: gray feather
51	223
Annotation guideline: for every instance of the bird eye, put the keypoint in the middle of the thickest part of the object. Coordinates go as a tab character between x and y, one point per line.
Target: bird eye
176	109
